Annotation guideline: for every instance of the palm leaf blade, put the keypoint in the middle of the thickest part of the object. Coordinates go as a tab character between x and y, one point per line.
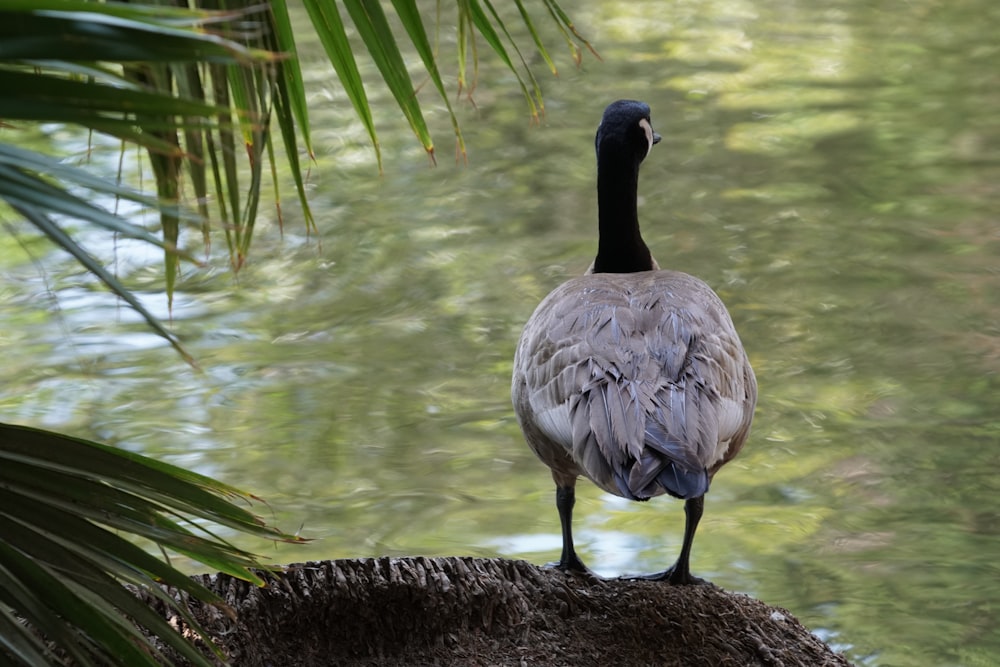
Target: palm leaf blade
94	37
48	227
63	572
409	16
333	36
290	74
526	18
21	189
129	470
20	642
372	26
86	597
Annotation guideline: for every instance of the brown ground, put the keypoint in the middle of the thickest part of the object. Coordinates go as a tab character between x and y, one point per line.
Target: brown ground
479	612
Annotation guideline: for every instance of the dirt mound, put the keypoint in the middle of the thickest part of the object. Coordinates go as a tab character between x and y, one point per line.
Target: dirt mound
469	612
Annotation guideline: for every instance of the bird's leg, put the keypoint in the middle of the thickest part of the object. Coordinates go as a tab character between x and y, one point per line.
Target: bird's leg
565	499
679	574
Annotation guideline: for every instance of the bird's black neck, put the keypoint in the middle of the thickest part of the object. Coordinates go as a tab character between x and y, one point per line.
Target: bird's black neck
620	248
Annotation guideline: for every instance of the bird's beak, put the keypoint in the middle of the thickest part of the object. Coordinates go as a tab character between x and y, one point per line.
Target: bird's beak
656	138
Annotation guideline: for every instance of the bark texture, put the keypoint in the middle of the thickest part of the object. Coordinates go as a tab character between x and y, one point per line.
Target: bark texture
479	612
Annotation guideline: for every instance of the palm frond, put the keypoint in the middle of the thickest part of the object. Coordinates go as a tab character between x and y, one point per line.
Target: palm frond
373	27
473	17
332	34
66	507
190	84
57	62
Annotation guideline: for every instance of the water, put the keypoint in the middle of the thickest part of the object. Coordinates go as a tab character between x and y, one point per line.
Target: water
830	169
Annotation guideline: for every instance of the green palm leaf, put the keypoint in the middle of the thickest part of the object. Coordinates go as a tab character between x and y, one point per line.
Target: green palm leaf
568	30
60	238
333	35
372	26
290	111
90	35
409	16
65	506
22	183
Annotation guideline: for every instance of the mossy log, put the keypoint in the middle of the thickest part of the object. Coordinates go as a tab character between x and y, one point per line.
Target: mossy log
473	611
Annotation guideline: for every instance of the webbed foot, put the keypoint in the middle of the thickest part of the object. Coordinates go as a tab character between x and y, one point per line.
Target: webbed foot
672	575
573	565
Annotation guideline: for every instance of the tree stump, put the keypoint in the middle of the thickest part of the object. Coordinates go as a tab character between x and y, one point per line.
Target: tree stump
479	612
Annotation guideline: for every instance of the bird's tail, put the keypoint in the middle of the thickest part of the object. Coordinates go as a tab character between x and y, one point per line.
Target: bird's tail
664	465
671	478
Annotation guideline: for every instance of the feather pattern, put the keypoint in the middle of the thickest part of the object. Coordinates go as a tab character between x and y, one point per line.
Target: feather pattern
637	381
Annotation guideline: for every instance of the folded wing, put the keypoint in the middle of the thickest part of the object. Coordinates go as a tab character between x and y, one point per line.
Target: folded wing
647	393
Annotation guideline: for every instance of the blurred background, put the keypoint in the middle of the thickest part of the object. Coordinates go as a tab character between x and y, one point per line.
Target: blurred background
831	169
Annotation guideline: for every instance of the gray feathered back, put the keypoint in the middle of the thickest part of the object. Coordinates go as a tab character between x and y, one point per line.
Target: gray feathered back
637	381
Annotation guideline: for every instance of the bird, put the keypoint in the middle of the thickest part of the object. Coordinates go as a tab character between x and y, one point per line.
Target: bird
631	376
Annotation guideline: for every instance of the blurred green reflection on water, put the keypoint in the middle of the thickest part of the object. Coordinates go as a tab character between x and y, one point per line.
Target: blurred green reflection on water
832	169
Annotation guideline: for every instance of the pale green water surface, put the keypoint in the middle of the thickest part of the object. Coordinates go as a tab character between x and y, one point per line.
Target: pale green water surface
832	169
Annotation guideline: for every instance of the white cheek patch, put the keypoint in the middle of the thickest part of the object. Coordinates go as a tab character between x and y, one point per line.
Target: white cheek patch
648	129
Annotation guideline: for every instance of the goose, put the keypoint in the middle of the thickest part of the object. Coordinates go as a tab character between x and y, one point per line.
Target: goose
631	376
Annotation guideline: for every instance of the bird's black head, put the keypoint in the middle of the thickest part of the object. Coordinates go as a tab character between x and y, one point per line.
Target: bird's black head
626	130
